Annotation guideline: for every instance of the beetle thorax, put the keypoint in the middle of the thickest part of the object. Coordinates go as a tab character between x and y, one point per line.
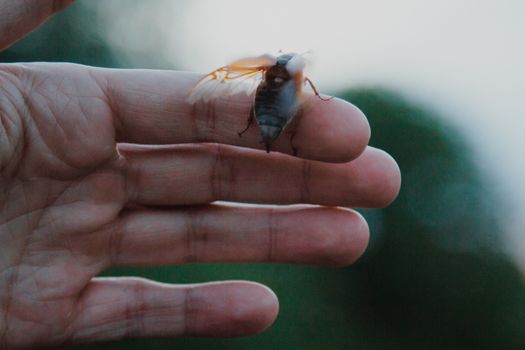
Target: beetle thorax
276	76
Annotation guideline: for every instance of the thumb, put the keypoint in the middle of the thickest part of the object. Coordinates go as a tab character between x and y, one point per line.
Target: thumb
17	18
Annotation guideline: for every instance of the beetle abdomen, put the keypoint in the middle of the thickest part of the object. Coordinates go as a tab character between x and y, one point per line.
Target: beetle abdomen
274	109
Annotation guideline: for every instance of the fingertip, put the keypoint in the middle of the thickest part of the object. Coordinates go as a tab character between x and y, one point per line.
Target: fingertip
379	178
393	169
359	239
347	239
340	128
387	169
231	309
355	131
260	307
257	308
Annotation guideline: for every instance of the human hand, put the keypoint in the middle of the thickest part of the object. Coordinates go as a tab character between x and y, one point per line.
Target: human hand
86	184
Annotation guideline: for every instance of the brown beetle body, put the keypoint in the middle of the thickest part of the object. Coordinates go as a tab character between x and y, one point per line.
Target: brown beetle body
276	102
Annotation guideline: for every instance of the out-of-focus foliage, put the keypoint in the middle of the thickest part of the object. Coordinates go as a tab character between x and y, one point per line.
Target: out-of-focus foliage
433	277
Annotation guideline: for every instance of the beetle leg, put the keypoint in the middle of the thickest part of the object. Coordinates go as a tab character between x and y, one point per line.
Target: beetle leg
267	145
291	130
315	90
251	117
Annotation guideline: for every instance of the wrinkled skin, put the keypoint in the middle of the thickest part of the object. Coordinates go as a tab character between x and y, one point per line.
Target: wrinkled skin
81	191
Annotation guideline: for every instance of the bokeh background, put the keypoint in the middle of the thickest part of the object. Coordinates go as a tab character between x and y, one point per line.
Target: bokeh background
442	83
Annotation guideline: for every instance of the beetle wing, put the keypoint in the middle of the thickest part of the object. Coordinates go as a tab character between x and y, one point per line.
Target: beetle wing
239	76
265	60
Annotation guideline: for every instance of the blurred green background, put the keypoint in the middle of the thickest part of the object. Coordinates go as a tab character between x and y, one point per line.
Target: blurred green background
435	275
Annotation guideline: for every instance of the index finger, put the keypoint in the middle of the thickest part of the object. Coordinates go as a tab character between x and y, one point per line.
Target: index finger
150	107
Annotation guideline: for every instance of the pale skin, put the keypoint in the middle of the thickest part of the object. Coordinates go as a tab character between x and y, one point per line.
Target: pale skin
104	168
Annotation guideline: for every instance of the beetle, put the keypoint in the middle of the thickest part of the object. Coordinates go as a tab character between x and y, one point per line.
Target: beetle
278	83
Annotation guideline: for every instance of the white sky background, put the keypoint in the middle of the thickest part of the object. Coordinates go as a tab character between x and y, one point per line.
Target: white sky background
464	59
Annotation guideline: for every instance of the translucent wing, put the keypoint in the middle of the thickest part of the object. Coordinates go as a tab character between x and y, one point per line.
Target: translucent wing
239	76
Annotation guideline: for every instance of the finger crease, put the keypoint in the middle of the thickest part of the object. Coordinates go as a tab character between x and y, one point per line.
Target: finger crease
188	313
271	236
304	188
191	228
194	125
203	127
115	241
210	117
222	176
139	308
